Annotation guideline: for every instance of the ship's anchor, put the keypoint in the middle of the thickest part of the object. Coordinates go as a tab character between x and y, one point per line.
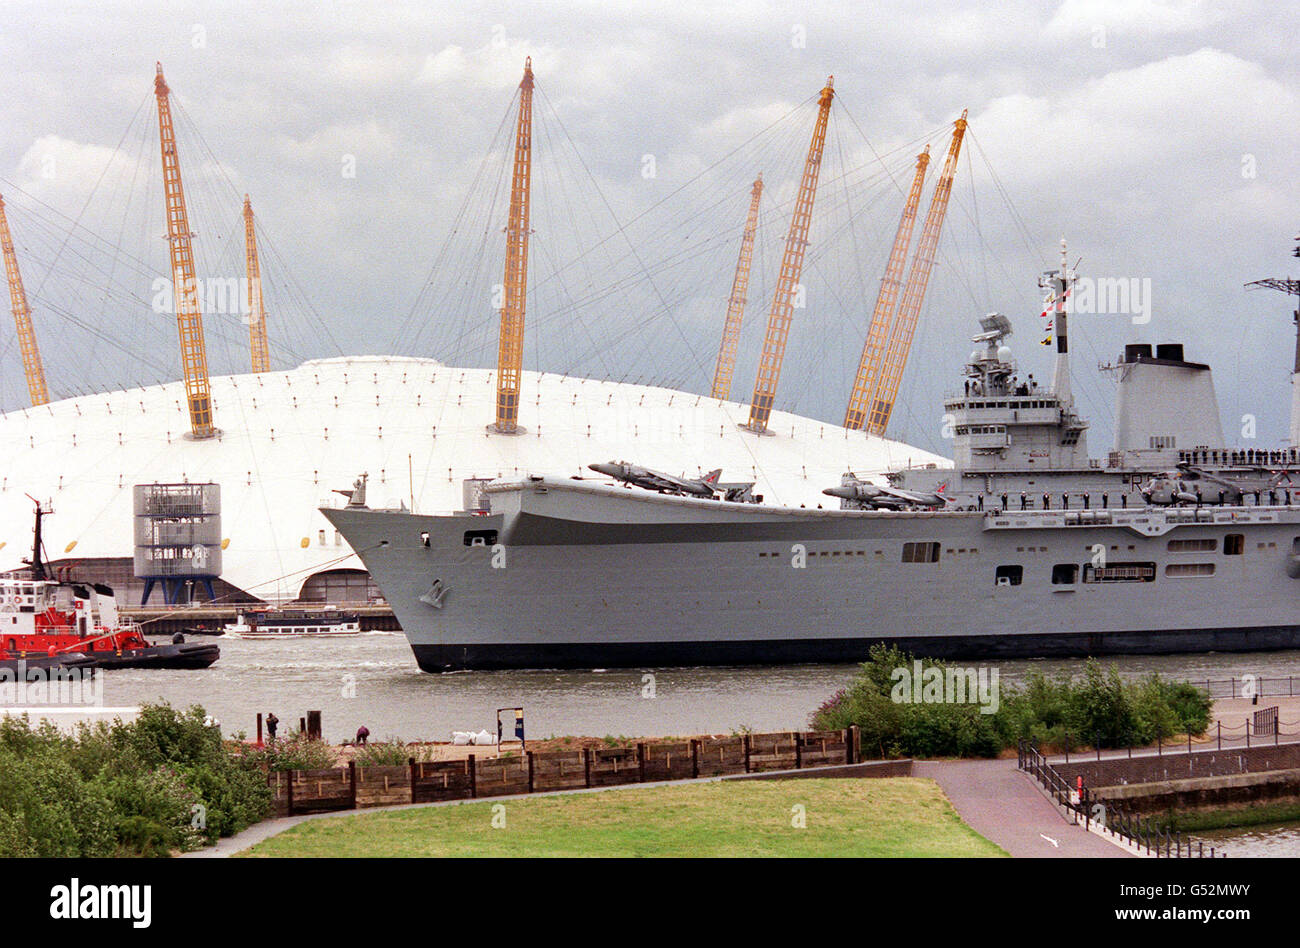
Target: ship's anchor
436	594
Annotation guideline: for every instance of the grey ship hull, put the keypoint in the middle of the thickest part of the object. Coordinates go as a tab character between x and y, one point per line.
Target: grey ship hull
572	574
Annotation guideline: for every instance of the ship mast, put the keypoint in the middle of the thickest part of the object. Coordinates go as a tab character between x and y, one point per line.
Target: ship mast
189	317
510	349
1291	288
32	364
796	245
37	562
736	302
1060	281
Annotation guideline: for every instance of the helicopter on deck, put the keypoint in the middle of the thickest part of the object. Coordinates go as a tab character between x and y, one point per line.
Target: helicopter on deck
1193	485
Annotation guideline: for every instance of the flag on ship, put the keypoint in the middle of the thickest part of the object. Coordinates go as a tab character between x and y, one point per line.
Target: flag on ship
1051	301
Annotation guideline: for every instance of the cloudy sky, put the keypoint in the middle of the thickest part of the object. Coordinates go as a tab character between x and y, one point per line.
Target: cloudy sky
1159	138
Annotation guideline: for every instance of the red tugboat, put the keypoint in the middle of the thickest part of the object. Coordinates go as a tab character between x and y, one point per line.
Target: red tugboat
60	622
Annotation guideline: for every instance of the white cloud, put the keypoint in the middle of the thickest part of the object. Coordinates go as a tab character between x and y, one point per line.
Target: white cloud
56	166
328	145
363	65
495	65
1129	18
1152	116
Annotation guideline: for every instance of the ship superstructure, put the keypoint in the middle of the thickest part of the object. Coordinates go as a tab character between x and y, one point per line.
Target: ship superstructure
1021	444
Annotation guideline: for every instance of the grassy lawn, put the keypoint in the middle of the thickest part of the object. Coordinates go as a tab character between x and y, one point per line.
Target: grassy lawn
899	816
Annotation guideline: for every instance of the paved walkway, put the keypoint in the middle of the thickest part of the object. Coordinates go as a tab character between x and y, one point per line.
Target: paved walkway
1006	807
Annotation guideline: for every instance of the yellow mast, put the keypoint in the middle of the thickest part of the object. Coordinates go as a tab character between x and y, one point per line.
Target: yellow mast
736	302
189	318
510	349
796	245
256	310
23	317
909	308
882	318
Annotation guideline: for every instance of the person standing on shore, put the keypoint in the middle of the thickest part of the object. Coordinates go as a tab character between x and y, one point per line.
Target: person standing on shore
271	722
363	732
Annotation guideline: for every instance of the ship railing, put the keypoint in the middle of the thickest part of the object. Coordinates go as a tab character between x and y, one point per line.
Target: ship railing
105	631
1075	516
1101	814
332	607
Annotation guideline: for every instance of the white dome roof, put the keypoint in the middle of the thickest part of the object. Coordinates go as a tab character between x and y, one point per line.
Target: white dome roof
289	439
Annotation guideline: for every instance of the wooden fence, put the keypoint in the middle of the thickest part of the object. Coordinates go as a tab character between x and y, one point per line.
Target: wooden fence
349	788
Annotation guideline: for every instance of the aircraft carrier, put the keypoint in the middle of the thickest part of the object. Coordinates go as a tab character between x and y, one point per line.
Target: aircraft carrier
1026	547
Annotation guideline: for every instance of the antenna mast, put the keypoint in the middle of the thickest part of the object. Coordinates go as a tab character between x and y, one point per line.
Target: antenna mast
37	562
1291	288
1060	281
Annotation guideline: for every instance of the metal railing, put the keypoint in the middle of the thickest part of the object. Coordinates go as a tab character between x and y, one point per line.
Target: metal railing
1247	686
1222	736
1088	810
294	605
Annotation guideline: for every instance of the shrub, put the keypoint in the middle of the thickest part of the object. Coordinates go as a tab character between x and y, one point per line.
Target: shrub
155	811
1099	710
390	753
1193	707
47	809
162	735
234	796
295	752
890	728
1097	707
163	782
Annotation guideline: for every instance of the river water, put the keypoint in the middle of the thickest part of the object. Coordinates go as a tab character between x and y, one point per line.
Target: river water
372	679
1267	839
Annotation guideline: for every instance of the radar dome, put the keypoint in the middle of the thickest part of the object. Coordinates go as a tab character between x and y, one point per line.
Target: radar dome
1004	353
